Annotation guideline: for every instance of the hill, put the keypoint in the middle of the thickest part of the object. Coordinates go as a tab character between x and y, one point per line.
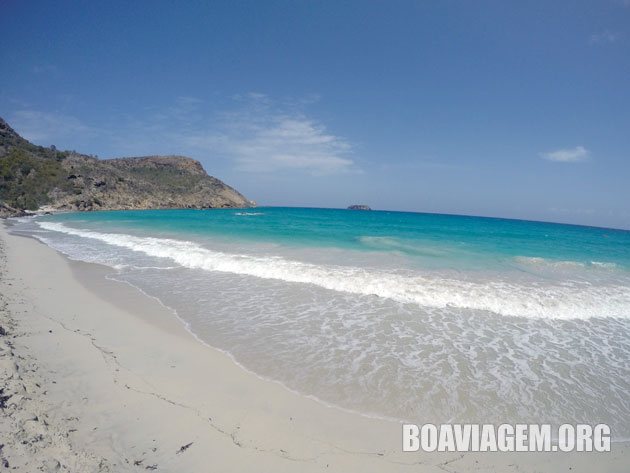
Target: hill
32	177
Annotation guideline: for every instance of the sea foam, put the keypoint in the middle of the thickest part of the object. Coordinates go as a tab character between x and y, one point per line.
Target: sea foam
554	300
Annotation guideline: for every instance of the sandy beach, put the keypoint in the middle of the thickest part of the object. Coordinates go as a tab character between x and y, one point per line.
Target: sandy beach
99	377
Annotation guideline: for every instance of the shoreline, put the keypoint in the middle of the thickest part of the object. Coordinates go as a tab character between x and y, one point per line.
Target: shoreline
263	378
98	271
124	366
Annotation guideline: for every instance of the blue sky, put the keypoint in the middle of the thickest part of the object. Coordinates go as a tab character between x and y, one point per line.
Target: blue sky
498	108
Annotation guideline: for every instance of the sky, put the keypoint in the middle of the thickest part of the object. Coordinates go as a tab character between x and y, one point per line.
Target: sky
495	108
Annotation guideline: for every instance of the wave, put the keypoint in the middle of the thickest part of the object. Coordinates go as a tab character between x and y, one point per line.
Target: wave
566	300
603	264
404	246
248	214
544	263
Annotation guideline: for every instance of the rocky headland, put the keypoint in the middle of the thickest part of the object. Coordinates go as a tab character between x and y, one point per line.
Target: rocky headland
39	178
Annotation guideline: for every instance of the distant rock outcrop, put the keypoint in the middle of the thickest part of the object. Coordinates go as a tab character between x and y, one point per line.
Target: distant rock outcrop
359	207
33	176
8	211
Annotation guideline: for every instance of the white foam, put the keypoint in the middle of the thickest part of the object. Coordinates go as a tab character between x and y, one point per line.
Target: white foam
605	265
22	219
544	263
565	300
537	261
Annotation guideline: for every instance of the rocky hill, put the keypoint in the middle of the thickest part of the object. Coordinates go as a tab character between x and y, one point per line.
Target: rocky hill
32	177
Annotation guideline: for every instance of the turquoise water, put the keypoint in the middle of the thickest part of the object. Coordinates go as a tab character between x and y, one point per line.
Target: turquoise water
444	238
419	317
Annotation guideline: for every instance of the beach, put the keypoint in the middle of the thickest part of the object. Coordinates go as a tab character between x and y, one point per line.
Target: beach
315	237
101	377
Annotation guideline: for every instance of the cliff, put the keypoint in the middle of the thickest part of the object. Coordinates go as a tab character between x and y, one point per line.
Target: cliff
33	176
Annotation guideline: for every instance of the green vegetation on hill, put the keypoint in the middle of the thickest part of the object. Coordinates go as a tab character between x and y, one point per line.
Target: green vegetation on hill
32	176
27	178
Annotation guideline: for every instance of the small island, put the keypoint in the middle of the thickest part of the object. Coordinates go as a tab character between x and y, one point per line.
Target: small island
359	207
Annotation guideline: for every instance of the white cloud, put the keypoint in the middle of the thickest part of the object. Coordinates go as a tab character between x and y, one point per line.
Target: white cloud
43	126
263	138
253	98
604	37
254	134
569	155
45	69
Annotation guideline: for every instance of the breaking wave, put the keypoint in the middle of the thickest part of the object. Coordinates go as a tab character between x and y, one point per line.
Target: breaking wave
552	300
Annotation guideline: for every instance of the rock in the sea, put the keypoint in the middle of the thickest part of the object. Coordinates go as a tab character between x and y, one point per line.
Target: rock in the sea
359	207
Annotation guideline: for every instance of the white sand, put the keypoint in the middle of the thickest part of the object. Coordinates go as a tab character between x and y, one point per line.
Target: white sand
103	378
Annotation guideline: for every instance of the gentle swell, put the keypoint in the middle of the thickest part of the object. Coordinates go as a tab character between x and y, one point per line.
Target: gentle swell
567	300
544	263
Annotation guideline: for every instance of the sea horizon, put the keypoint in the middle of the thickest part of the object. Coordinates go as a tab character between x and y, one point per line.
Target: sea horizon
372	209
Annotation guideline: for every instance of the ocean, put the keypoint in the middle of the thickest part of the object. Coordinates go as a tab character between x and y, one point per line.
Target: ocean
408	316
